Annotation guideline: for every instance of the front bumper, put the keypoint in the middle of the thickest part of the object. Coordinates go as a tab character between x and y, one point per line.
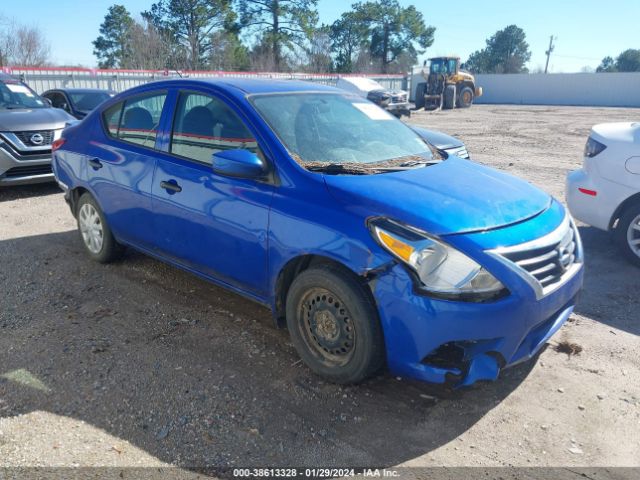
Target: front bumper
24	168
459	343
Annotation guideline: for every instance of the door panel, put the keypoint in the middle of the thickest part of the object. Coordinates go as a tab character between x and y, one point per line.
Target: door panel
214	225
210	223
120	170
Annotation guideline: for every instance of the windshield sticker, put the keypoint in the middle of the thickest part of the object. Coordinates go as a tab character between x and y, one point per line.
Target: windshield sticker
17	88
373	112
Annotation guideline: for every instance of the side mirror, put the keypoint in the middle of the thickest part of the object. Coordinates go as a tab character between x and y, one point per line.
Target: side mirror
64	106
47	101
238	163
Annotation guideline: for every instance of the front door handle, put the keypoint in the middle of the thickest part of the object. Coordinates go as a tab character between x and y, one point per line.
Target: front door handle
171	187
95	164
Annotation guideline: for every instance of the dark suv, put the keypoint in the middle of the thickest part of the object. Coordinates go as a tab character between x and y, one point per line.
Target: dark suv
28	127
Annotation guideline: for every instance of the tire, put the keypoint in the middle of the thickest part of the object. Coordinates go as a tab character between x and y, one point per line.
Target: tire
449	100
419	100
95	234
465	97
334	326
628	231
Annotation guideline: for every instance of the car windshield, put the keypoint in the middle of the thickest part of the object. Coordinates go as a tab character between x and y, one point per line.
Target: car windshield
87	101
14	95
319	128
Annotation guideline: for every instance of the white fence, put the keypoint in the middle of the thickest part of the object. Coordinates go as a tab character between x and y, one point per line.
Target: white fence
42	79
588	89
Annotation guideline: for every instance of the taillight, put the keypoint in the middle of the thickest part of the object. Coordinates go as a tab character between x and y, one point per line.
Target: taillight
57	144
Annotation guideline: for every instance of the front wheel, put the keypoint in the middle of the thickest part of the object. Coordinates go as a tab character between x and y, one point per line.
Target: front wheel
628	233
465	97
334	325
95	233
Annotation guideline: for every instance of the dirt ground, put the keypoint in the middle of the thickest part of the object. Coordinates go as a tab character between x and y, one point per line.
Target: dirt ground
140	364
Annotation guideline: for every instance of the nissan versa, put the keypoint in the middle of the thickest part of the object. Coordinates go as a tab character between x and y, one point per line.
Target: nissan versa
364	242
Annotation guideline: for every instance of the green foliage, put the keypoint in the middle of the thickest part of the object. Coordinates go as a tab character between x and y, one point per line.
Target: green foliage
348	34
627	61
393	30
281	24
111	47
608	64
506	52
191	24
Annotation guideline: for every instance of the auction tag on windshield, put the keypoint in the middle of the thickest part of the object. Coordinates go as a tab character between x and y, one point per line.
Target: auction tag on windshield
17	88
372	111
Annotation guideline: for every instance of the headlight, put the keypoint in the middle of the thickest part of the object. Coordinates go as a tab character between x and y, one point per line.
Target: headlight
593	148
441	269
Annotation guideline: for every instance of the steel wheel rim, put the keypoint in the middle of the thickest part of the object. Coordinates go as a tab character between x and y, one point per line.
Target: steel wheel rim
633	236
91	228
327	327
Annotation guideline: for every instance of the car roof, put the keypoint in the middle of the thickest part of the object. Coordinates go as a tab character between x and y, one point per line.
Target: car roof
252	86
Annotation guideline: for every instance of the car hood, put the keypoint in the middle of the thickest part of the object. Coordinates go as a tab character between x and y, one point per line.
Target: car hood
33	119
440	140
454	196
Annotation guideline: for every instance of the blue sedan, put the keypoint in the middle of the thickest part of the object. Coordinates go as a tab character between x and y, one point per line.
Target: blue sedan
366	243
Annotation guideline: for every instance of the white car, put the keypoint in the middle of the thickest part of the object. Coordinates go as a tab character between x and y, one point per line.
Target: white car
394	101
605	193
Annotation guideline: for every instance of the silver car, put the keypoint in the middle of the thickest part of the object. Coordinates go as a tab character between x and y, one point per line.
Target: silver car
28	127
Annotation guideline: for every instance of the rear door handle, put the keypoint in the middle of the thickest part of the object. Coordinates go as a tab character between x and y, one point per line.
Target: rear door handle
171	186
95	163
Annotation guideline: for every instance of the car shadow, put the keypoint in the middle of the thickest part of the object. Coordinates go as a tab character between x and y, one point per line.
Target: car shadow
18	192
608	276
197	376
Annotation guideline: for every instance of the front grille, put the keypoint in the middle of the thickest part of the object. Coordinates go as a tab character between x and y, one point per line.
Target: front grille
28	170
399	98
458	152
549	260
27	138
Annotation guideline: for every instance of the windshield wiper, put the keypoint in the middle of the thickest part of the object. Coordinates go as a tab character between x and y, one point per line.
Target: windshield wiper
337	168
418	163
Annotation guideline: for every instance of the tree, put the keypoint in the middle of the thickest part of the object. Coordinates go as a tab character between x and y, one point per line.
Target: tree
280	23
608	64
228	53
506	52
348	34
628	61
318	52
22	45
111	47
393	30
191	24
148	48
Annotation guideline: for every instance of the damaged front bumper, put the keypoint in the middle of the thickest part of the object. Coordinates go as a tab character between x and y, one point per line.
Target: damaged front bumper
460	343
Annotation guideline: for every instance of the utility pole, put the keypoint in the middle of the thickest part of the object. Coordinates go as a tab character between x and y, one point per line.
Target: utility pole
548	52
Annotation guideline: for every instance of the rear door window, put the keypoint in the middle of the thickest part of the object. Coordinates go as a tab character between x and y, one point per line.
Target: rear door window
204	125
136	120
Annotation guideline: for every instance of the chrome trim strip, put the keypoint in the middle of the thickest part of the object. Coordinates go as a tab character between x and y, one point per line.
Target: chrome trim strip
556	236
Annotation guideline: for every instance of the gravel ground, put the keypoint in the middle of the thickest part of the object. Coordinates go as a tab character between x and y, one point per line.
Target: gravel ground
139	364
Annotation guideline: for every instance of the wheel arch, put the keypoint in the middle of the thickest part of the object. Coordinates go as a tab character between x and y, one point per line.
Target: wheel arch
293	268
632	200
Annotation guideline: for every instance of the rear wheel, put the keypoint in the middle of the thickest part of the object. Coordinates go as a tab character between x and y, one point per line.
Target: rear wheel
465	98
334	325
628	233
449	100
95	233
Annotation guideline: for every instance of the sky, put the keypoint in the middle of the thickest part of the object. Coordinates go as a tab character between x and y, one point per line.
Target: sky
586	30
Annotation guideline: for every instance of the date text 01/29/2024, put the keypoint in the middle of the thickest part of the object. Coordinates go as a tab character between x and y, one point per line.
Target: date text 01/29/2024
313	472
